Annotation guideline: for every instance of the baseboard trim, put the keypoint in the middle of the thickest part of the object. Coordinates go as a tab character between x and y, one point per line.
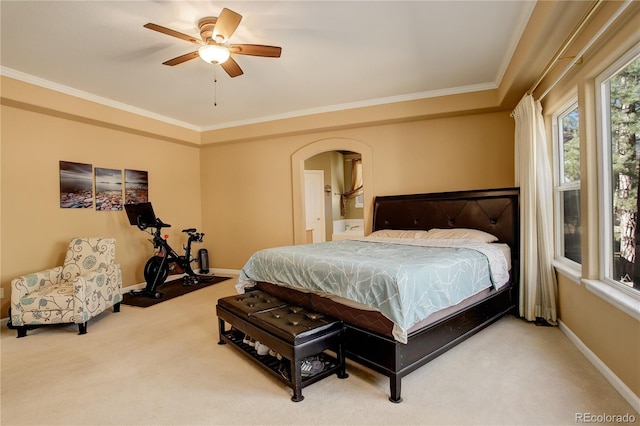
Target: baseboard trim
226	271
611	377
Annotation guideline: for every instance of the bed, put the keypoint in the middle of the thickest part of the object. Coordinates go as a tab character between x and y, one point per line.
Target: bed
386	328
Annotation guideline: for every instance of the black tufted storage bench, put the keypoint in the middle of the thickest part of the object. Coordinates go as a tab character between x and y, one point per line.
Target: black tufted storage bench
292	331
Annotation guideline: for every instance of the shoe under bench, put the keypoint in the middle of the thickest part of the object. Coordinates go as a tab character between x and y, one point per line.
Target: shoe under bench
292	331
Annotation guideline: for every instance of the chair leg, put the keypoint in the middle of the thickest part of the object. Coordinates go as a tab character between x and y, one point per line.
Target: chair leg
22	330
82	328
10	325
116	307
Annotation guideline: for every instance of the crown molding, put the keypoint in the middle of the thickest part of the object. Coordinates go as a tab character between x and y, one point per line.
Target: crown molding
40	82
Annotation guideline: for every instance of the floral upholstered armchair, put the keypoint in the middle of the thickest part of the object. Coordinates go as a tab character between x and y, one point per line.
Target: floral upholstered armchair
88	283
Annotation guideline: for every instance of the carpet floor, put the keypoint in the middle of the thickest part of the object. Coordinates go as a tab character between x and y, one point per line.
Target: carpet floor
163	366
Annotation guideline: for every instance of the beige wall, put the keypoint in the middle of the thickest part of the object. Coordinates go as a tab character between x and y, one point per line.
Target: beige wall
35	230
607	331
255	178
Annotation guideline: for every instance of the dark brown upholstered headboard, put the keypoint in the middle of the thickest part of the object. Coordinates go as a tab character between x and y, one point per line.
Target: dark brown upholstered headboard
496	211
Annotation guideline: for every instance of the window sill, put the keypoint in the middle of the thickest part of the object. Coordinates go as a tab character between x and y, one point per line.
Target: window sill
570	272
627	303
630	304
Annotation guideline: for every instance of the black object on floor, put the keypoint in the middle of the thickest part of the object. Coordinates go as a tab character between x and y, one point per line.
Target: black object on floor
170	290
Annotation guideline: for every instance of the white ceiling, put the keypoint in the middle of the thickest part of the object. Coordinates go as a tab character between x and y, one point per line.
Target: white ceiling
335	54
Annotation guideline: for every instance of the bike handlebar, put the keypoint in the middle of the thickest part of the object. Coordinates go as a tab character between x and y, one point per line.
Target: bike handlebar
158	223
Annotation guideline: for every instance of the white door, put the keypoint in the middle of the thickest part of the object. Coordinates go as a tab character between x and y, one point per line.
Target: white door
314	203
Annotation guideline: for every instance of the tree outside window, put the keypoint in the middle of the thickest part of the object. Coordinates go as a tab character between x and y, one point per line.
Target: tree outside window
568	224
624	142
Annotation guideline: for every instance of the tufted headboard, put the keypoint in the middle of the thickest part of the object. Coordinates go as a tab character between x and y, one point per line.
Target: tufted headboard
495	211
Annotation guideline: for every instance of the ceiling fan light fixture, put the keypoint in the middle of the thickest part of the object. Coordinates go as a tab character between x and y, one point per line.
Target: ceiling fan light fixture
213	53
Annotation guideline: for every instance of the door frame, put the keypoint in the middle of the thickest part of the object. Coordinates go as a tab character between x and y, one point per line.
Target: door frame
297	166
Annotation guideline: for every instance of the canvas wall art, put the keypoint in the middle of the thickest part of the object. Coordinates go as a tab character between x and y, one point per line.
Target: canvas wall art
76	185
108	189
136	186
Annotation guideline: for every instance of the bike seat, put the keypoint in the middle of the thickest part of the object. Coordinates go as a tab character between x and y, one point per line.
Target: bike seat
189	230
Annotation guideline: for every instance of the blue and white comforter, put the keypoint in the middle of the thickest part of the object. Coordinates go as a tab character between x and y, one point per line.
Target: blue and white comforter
405	279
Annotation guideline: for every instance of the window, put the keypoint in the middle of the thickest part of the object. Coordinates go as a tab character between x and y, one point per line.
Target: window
567	186
619	121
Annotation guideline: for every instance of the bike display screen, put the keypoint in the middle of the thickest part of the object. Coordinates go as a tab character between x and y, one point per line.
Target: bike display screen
143	211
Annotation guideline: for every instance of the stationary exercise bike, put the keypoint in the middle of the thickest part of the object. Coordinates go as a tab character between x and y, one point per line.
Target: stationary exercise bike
156	270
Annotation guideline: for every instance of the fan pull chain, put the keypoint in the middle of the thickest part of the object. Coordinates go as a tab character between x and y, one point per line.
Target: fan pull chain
215	86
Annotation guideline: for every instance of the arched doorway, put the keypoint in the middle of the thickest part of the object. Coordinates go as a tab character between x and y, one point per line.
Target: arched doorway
297	166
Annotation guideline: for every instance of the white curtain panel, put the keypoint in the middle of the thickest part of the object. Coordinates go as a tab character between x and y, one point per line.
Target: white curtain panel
538	288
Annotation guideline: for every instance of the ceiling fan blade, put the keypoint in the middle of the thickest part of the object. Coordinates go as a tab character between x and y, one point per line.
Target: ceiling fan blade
180	59
231	67
226	25
173	33
256	50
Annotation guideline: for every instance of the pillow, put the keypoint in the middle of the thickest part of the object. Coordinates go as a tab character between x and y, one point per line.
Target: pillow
397	233
461	233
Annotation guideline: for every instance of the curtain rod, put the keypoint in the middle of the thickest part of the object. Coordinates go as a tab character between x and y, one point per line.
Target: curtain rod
574	33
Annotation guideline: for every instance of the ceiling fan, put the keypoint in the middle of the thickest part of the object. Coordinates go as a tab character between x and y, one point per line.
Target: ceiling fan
214	46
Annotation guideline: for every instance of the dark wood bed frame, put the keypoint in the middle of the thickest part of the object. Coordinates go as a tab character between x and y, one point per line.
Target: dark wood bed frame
495	211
